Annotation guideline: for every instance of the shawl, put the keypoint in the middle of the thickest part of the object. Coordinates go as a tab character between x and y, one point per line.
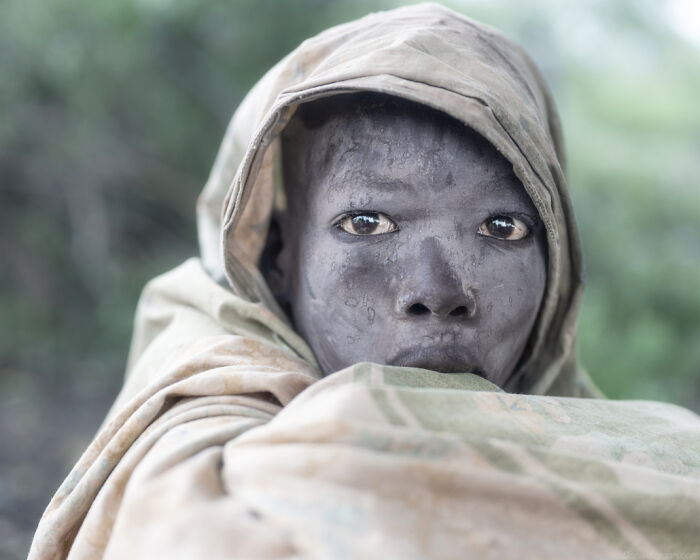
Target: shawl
225	442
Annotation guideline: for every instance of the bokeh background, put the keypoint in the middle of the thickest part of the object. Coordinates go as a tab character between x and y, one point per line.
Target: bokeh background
110	117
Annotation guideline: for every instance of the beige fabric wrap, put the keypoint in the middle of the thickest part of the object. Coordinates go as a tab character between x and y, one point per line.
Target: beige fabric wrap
430	55
225	443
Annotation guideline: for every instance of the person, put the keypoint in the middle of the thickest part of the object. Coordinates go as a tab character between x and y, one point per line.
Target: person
448	276
375	353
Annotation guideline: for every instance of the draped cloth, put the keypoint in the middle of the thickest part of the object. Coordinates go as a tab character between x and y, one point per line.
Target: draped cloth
226	442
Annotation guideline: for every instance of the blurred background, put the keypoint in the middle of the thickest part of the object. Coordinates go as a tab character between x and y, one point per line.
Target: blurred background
112	113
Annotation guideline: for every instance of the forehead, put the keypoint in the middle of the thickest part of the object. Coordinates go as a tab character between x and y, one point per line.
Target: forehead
349	149
402	144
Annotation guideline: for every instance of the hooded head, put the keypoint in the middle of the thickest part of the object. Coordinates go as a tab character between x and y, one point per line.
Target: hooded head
426	56
407	240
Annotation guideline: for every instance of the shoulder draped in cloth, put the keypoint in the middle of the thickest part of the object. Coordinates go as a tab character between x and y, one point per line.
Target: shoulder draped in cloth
226	443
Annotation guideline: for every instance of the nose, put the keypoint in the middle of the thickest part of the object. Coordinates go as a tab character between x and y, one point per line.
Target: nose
434	287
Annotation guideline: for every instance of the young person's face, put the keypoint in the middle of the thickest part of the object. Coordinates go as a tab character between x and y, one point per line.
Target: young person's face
410	243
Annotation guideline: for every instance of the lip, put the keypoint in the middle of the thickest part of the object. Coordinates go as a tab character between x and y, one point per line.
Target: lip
443	358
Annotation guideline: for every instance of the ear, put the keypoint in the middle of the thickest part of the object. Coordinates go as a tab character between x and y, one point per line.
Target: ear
275	261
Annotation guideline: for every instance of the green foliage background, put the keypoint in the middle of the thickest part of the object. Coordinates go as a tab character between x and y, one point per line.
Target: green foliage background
111	116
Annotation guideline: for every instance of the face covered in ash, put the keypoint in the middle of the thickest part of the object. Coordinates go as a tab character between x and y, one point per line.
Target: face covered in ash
407	240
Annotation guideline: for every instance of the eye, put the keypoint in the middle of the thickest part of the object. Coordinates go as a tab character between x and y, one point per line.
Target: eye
367	223
504	227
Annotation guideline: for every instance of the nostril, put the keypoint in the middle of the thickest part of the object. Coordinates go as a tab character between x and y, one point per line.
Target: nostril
457	311
418	309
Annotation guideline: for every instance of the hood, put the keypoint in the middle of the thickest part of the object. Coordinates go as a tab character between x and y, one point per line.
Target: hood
431	55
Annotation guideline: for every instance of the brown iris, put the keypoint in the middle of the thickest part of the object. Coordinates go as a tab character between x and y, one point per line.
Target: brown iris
367	223
504	227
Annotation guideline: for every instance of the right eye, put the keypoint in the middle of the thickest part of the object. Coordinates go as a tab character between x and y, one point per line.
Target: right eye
367	223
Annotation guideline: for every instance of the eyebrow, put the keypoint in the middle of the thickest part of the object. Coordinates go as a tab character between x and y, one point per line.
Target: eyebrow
374	181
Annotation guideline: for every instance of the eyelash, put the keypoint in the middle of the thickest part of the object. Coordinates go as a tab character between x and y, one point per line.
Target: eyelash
531	223
354	213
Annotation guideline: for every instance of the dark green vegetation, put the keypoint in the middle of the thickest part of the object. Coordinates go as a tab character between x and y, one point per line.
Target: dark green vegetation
111	116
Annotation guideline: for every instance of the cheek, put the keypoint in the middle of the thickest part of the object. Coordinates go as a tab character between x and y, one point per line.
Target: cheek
342	299
351	265
512	288
359	279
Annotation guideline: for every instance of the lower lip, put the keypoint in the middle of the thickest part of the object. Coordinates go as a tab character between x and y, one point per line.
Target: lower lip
450	359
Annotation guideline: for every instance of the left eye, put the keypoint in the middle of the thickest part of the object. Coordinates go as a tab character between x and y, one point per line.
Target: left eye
369	223
504	227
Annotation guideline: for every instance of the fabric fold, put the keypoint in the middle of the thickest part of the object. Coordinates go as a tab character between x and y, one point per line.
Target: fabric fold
226	442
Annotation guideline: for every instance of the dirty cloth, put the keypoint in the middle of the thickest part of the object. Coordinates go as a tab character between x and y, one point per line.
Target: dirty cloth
225	442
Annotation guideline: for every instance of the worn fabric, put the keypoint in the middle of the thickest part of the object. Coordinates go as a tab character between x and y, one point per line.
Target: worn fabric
226	443
432	56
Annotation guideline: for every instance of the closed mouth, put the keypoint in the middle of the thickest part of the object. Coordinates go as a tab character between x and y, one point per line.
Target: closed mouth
450	358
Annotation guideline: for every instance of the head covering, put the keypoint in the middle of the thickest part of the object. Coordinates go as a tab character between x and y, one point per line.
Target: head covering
430	55
225	442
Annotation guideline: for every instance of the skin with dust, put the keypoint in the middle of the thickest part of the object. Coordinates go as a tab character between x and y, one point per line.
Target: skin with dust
407	240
